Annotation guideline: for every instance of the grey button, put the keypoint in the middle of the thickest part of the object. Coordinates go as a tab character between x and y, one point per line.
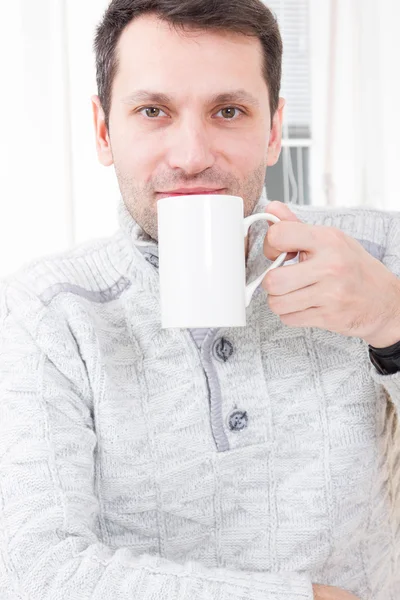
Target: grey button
238	420
153	260
223	349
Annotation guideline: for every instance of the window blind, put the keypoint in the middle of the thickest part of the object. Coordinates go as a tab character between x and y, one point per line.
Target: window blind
293	19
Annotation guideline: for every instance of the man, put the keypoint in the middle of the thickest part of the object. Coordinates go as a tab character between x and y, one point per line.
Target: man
257	463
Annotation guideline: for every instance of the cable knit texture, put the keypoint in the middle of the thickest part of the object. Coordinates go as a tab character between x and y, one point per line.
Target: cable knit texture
123	472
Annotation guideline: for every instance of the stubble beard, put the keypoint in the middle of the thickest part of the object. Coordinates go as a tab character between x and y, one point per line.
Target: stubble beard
141	200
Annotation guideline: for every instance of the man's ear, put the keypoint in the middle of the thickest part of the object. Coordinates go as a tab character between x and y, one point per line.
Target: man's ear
103	145
275	138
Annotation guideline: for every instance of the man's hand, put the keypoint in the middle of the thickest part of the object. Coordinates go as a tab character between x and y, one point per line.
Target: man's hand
326	592
337	285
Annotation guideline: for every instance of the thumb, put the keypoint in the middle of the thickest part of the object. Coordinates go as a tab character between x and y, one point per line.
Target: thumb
283	212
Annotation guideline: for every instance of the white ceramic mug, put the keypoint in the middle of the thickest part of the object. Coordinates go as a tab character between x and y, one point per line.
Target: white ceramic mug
202	261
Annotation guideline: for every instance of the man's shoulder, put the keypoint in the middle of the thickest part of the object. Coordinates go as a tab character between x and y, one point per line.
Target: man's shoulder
85	268
338	213
370	226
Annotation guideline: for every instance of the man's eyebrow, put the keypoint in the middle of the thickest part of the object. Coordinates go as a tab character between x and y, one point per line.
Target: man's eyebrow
236	96
143	96
239	96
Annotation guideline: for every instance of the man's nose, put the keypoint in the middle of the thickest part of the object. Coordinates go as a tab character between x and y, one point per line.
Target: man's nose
190	147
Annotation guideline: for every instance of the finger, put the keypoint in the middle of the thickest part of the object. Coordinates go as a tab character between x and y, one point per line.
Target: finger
295	302
273	255
283	212
292	237
286	280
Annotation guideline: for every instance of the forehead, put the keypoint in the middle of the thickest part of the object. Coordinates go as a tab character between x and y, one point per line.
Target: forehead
152	53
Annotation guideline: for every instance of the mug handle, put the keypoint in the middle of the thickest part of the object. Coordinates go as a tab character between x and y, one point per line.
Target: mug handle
251	288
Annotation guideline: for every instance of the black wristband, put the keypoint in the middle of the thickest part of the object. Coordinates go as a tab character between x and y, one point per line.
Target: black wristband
389	352
386	360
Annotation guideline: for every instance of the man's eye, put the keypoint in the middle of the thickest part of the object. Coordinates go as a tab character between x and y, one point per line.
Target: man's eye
230	113
152	112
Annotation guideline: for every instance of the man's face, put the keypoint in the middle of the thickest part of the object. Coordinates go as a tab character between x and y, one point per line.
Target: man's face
190	114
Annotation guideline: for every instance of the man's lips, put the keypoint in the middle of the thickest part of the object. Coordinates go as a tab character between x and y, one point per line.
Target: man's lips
189	192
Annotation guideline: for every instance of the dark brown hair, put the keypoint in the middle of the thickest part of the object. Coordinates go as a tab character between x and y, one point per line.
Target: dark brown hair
247	17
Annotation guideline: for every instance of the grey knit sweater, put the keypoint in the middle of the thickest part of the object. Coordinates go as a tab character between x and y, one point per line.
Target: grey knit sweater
136	464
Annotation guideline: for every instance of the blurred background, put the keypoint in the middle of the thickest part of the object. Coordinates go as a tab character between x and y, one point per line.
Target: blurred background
341	80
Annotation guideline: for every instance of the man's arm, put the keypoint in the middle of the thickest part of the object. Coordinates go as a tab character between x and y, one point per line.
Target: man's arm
49	544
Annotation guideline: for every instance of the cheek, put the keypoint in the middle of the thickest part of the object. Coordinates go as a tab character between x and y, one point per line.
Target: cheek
140	154
247	151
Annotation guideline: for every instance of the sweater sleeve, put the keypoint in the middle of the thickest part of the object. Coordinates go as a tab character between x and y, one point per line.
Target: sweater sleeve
50	547
391	260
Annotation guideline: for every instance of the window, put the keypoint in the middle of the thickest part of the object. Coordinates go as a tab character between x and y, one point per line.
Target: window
289	179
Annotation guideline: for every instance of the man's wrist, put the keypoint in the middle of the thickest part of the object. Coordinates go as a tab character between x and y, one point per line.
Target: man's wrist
388	332
385	339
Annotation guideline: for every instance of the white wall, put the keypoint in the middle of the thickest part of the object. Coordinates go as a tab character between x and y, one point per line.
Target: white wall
95	189
355	49
53	191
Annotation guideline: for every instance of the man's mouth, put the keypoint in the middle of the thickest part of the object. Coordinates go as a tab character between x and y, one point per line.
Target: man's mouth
189	192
